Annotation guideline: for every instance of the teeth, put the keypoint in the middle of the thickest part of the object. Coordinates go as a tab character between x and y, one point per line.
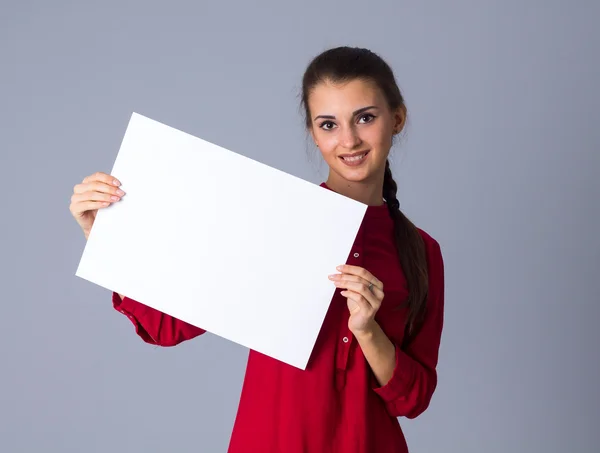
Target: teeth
354	158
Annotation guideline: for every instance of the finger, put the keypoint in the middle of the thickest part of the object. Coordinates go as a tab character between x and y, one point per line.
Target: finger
356	302
94	196
361	272
102	177
360	288
347	278
79	208
97	186
377	290
351	278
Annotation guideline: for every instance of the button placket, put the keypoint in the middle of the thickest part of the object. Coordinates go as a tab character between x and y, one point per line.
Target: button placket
346	337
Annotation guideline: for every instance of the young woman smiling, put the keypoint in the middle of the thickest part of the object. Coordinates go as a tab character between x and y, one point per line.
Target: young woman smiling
376	356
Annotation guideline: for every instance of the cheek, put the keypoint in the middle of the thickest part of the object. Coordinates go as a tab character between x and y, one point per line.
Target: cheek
327	146
380	137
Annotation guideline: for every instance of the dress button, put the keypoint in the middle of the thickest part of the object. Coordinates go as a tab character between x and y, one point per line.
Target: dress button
356	255
345	339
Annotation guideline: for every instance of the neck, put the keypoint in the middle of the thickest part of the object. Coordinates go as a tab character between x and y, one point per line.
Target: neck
367	192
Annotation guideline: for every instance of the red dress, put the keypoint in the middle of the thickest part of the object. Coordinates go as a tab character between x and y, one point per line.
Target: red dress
336	404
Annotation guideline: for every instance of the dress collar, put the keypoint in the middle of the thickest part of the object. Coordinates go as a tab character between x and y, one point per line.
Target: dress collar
372	211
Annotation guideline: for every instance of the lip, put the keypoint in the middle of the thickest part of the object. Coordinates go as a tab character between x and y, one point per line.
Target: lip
355	154
355	163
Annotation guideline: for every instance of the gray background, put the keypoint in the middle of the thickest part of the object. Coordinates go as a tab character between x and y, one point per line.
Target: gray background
499	164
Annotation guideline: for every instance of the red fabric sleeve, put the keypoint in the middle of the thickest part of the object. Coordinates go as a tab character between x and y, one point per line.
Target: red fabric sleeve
414	380
153	326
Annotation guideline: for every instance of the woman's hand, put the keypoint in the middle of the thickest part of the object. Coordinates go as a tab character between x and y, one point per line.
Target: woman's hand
95	192
363	302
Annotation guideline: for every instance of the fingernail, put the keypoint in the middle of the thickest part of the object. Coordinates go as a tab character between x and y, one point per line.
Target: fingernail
116	183
113	198
339	268
120	192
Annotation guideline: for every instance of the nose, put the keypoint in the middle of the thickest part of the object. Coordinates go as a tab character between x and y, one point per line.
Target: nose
349	138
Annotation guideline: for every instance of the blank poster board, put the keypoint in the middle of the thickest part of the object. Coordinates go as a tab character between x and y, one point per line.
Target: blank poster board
221	241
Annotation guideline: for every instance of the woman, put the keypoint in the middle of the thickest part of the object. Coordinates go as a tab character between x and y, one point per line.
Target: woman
376	355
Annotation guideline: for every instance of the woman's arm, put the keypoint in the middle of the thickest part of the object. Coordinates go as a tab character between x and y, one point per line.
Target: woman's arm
379	351
153	326
406	376
408	390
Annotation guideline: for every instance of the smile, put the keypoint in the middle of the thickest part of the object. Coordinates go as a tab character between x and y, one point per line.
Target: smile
354	160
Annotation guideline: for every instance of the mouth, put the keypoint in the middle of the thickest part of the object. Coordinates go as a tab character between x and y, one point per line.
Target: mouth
354	159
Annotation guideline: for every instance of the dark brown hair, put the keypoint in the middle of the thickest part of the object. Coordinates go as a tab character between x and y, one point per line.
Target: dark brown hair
344	64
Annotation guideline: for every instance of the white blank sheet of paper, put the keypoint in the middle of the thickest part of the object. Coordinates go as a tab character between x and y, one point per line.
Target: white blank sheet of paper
221	241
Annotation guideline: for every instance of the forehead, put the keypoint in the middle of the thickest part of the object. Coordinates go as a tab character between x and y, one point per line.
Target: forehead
328	97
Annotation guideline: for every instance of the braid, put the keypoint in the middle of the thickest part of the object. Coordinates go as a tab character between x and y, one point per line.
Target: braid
390	188
411	252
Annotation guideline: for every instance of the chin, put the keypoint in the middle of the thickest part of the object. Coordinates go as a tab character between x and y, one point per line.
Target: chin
354	175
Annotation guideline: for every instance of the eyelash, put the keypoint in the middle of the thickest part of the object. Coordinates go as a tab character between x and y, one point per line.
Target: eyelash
362	116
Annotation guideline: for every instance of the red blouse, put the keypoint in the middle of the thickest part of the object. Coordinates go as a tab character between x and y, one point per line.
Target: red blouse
335	405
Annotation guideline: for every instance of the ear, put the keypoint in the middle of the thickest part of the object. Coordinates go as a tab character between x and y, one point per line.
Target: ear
399	116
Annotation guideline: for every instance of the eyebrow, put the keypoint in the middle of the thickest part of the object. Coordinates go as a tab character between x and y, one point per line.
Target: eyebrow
356	112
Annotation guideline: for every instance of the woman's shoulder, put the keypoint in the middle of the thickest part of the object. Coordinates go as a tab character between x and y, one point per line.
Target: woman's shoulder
432	246
428	238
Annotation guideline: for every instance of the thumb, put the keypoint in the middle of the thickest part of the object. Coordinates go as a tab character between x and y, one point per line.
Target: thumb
353	306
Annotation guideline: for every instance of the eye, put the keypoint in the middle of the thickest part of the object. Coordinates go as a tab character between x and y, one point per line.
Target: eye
326	123
370	117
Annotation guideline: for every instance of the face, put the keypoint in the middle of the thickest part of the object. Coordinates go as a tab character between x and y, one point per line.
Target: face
353	127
